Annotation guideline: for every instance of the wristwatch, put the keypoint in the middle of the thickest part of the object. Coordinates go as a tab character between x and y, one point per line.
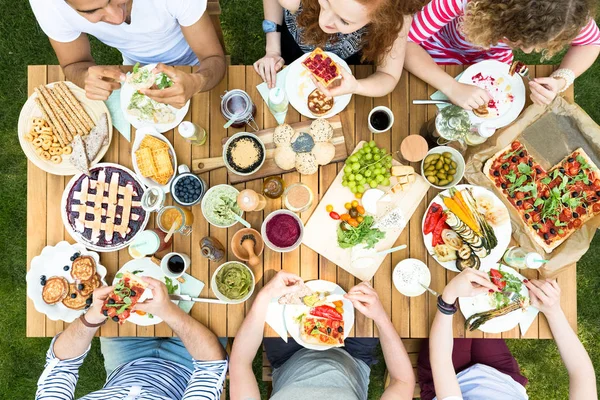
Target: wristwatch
270	26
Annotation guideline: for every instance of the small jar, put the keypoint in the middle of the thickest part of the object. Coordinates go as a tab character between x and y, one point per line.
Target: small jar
212	249
147	243
273	187
238	106
153	199
169	215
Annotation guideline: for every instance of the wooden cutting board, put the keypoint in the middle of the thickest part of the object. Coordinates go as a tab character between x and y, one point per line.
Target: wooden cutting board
320	232
269	168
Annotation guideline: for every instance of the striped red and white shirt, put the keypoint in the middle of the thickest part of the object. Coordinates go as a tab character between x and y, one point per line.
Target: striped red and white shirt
437	29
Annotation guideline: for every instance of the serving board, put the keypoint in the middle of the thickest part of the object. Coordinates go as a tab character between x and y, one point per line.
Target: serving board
269	167
320	230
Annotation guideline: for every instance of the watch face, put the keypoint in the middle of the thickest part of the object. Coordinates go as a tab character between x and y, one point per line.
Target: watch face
269	26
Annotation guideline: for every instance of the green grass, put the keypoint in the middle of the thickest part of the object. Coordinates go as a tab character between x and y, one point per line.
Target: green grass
22	43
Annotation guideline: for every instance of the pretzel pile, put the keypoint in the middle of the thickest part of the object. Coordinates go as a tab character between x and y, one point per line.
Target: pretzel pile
46	142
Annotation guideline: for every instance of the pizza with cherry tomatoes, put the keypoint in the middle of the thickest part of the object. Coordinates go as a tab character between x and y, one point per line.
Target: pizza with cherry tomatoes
553	204
323	68
125	295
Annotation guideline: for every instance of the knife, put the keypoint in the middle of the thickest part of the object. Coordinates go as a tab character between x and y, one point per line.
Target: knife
185	297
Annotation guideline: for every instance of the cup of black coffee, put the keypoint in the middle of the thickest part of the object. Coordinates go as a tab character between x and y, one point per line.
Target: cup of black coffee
381	119
174	265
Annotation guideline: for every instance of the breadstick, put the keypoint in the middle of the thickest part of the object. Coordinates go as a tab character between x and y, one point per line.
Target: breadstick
52	119
79	119
89	123
59	109
53	111
79	129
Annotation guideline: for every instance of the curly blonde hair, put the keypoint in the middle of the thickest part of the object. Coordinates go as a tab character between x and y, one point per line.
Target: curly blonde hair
387	20
546	25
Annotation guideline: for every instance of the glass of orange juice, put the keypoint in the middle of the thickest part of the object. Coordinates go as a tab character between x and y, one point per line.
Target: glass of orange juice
181	217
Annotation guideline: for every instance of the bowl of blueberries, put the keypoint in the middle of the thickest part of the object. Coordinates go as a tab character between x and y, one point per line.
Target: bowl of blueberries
187	189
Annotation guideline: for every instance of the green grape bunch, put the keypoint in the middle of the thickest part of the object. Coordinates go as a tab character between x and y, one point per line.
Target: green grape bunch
368	167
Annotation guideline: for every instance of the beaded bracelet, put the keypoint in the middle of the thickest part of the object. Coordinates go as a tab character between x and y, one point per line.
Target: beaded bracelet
566	74
445	308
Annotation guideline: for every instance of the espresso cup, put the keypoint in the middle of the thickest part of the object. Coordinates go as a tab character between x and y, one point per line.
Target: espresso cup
377	119
174	264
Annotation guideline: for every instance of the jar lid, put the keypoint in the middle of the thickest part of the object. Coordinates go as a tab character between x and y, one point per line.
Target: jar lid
153	199
534	260
239	115
186	129
276	95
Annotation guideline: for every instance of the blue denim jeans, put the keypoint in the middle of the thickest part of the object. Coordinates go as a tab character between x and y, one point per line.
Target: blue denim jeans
121	350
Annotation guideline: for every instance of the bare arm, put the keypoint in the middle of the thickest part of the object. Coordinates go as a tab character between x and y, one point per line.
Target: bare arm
204	41
246	344
545	296
402	378
75	58
580	58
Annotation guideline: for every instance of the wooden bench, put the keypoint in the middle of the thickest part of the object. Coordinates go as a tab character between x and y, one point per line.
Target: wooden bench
214	10
413	346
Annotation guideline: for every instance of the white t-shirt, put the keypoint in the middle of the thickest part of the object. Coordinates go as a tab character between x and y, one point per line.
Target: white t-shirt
483	382
153	36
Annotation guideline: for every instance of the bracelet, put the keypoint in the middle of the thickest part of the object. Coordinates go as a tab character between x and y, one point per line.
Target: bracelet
566	74
90	325
445	308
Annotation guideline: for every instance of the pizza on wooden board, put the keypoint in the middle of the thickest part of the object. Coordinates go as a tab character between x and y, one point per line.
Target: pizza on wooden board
124	297
552	204
324	69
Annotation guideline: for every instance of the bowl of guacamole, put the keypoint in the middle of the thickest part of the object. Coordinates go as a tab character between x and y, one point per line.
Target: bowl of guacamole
219	204
233	282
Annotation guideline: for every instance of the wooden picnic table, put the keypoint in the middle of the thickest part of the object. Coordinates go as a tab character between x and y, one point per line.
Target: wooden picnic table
412	317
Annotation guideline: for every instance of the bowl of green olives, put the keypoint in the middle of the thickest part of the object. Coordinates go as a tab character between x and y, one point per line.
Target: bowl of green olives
443	167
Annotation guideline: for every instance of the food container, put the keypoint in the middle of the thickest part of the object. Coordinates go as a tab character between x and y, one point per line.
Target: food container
255	145
298	197
190	182
208	197
221	296
168	215
238	106
456	157
269	231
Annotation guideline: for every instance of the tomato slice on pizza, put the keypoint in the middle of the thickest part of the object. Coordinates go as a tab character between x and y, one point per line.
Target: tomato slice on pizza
322	331
322	67
124	297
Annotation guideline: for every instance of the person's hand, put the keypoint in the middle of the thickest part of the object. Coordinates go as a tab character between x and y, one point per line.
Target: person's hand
185	85
282	283
348	84
544	295
466	96
469	283
160	303
544	90
365	299
268	66
94	314
100	81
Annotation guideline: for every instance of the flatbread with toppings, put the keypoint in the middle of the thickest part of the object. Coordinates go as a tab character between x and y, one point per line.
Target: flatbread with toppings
125	295
322	331
297	296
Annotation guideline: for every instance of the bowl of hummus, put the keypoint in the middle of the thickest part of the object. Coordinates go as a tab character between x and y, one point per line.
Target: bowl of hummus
233	282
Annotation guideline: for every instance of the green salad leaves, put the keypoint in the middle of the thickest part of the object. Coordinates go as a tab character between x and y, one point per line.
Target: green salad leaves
350	236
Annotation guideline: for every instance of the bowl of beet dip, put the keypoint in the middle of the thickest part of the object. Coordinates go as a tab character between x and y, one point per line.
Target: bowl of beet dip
282	231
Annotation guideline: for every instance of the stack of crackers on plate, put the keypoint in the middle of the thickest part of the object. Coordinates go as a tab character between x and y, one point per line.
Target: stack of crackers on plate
154	160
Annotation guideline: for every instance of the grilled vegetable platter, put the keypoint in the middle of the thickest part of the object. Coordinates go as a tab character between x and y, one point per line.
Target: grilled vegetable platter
495	312
466	227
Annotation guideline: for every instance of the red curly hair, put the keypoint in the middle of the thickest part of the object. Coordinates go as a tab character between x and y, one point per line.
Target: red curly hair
387	20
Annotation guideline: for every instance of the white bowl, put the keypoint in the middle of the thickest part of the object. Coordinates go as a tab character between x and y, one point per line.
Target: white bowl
229	167
412	288
221	296
456	156
207	195
263	232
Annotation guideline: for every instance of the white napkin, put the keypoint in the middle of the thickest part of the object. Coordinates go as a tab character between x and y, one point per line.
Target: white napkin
527	319
263	89
275	318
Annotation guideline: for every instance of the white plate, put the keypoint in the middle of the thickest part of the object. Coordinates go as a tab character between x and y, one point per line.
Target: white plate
291	313
139	136
510	85
127	91
147	268
503	232
79	237
50	262
412	289
30	110
298	86
481	303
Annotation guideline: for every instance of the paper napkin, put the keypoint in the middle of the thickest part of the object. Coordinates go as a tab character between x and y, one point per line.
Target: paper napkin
275	318
263	89
118	119
527	319
192	287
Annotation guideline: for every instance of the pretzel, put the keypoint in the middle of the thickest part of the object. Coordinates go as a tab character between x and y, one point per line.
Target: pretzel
67	149
38	141
56	159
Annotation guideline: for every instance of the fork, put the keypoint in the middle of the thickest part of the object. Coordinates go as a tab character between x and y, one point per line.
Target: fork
511	296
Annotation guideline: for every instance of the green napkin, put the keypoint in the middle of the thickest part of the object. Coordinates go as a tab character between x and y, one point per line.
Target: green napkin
116	114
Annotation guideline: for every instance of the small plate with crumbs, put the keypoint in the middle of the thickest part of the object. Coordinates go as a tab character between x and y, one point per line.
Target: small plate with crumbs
244	153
